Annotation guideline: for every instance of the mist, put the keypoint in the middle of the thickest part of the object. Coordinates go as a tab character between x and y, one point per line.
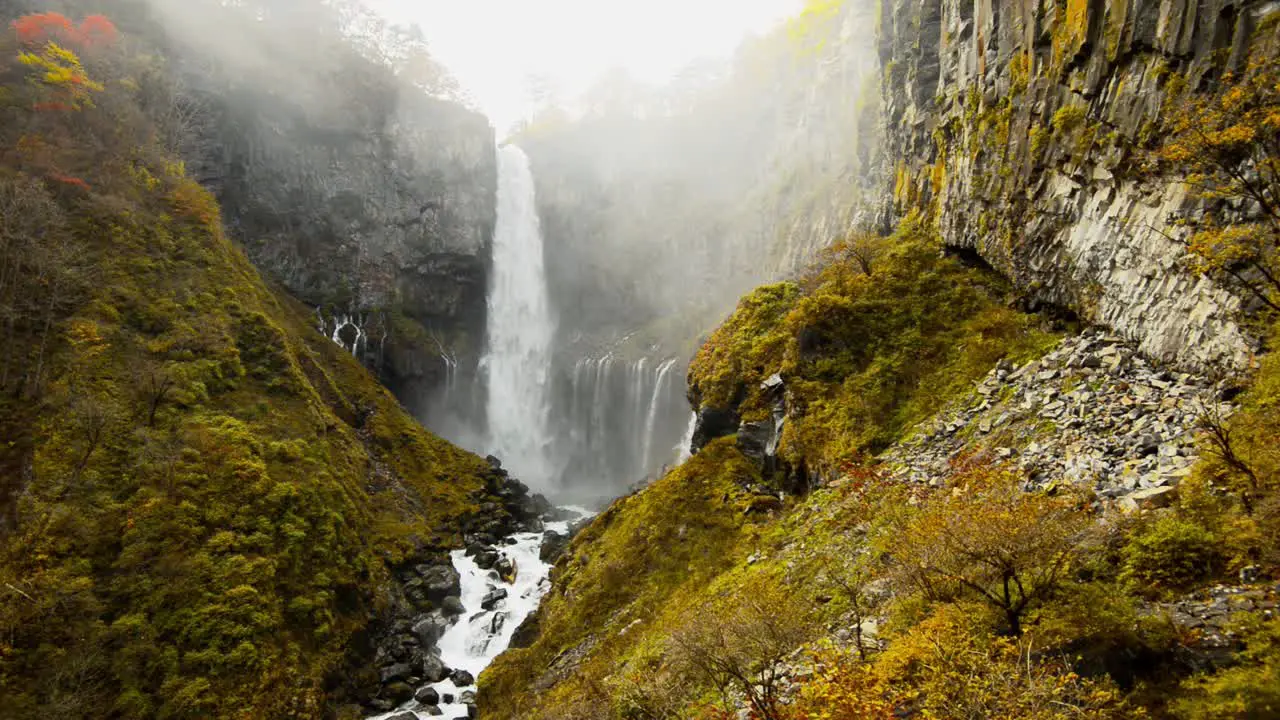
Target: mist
358	172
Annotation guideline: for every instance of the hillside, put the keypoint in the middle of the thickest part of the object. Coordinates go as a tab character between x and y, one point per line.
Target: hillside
1014	458
203	498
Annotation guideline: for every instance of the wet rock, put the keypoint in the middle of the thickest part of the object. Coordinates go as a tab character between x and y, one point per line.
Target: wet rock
398	671
713	423
553	546
492	598
452	606
429	629
486	559
439	581
397	692
427	696
462	678
431	667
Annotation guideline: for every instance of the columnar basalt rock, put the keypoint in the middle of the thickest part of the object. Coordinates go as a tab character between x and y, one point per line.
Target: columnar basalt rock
1024	125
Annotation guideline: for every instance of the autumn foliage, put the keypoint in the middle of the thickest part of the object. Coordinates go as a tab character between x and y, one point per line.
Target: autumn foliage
1226	147
43	28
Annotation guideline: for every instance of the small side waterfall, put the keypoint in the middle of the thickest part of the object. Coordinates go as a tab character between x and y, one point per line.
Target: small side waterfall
617	421
520	330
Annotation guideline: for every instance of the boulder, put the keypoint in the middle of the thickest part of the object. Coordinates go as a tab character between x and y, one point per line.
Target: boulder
1149	499
431	668
427	696
452	606
398	692
462	678
439	581
492	598
553	546
487	558
392	673
429	628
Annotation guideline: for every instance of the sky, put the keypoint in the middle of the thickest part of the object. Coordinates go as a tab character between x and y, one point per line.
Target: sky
495	47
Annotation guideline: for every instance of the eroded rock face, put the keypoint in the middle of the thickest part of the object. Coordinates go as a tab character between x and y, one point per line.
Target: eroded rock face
1025	122
381	217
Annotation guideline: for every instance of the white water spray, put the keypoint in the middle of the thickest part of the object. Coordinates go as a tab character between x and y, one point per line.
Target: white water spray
520	331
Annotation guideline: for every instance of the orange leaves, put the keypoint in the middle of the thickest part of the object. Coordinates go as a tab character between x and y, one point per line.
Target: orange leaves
71	181
51	27
194	202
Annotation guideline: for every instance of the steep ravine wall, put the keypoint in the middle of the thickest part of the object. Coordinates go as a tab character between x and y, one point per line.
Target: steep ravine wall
1023	124
382	220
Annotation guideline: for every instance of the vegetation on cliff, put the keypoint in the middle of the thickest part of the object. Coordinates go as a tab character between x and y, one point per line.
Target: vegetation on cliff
978	594
875	339
201	495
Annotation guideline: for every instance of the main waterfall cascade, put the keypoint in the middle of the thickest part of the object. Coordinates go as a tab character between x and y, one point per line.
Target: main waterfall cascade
517	364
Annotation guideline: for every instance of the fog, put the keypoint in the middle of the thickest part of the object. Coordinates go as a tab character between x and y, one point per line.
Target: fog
662	194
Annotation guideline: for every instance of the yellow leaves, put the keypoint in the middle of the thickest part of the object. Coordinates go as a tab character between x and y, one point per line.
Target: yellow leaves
1215	248
86	337
60	70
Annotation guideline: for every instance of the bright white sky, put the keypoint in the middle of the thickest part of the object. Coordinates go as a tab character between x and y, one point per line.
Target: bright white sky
494	47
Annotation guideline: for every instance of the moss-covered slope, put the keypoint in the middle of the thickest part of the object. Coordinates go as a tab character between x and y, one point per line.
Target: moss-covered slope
201	495
980	591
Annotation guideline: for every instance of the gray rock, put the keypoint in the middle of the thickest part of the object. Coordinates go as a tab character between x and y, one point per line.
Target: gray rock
492	598
431	667
427	696
397	671
462	678
1149	499
452	605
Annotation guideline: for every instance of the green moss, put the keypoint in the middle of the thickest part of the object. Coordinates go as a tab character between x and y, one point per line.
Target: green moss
864	357
212	548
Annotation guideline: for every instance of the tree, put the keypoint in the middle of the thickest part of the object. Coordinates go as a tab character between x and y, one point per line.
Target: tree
1225	145
743	648
985	537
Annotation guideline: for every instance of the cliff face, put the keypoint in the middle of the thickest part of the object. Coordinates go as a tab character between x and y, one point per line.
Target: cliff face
1024	125
380	219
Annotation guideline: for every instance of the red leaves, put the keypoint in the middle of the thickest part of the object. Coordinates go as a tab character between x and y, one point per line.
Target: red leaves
69	180
97	31
41	28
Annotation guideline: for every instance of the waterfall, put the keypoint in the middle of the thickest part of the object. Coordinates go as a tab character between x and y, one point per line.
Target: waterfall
518	359
684	450
651	420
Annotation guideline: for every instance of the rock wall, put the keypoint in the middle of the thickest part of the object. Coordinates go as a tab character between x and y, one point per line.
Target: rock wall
1023	124
380	219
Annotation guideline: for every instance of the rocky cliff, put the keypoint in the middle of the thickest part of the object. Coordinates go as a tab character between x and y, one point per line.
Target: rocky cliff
381	219
1024	125
361	190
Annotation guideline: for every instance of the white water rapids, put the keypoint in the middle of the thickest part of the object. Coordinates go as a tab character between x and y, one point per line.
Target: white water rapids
478	635
520	330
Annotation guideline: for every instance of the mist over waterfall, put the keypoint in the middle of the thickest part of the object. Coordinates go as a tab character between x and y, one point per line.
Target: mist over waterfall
517	363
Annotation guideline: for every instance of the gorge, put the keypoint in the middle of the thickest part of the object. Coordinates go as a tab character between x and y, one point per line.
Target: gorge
914	360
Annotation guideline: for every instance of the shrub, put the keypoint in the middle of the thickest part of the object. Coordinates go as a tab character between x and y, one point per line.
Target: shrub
949	667
984	538
1246	691
1171	553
